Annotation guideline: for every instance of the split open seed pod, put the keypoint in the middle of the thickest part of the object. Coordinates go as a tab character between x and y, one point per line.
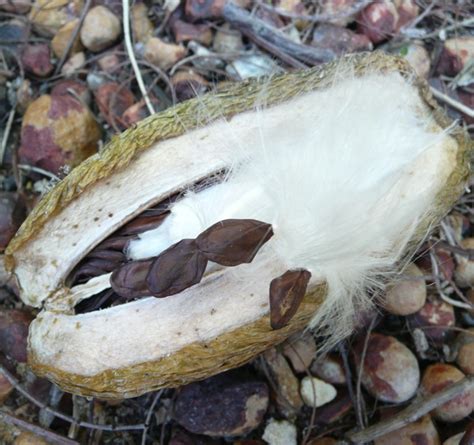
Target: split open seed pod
350	163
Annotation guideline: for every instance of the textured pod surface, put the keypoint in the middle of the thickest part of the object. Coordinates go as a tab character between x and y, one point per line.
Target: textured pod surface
91	354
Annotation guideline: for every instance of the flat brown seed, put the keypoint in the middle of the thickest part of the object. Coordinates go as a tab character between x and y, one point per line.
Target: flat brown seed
234	241
180	266
129	280
286	294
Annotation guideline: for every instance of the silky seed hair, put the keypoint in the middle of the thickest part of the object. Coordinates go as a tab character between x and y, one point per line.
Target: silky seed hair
338	186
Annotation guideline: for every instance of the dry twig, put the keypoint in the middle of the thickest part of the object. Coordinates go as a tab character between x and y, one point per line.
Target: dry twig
131	55
410	414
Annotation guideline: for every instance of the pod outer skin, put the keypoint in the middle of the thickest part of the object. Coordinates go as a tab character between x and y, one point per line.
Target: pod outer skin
231	349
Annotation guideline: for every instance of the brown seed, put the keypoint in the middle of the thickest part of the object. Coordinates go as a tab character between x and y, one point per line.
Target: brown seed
234	241
180	266
286	294
129	280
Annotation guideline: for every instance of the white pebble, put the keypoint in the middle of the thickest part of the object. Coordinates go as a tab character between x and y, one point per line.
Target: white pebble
316	392
280	432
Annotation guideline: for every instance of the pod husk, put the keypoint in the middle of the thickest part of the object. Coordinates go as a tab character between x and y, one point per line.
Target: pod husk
200	360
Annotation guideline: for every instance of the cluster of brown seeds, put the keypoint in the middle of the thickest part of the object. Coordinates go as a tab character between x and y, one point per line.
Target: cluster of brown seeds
228	243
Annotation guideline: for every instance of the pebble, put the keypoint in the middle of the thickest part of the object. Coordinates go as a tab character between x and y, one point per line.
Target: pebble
390	370
378	20
188	84
227	404
408	294
113	100
74	64
142	26
36	59
464	272
57	130
14	325
163	55
184	32
62	37
280	432
49	16
228	40
340	40
420	432
101	28
15	6
456	54
330	369
436	317
287	383
12	214
437	377
316	392
300	350
255	65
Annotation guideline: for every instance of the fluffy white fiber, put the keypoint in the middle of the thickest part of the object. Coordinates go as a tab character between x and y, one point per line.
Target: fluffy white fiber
344	184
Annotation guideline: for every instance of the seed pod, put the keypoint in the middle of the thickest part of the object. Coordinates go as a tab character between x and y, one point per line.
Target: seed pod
224	321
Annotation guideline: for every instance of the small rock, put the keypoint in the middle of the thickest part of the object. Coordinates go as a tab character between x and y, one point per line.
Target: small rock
110	63
408	294
390	370
181	437
287	383
438	377
198	10
26	438
407	11
62	37
436	317
457	53
162	54
25	95
300	350
12	214
330	369
420	432
184	32
74	64
203	62
101	28
316	392
280	432
188	84
378	20
444	260
337	9
417	56
137	112
14	325
336	410
255	65
57	130
6	388
227	40
48	16
113	100
15	6
465	348
12	32
464	273
454	440
224	405
142	26
340	40
95	80
67	87
36	59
